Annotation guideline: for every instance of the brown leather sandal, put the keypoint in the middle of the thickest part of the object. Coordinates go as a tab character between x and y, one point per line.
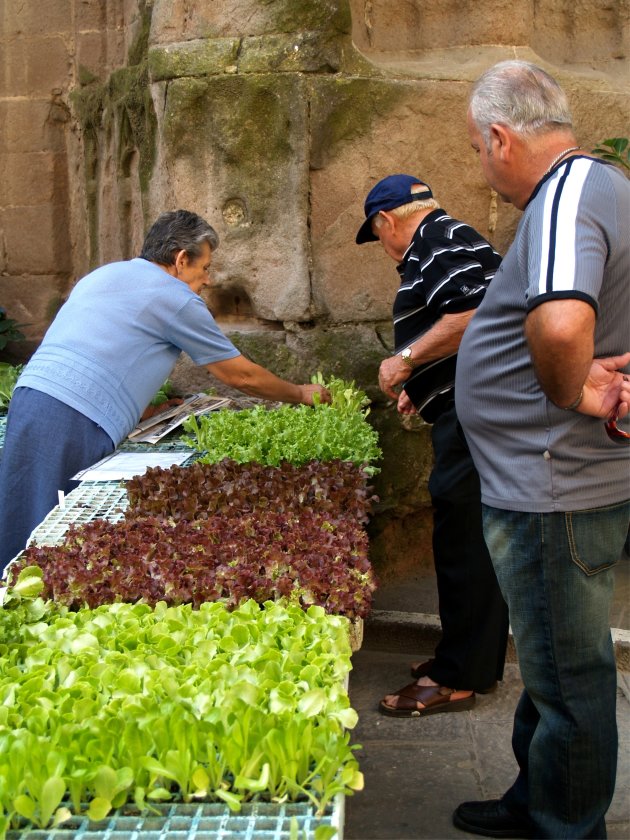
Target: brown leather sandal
421	700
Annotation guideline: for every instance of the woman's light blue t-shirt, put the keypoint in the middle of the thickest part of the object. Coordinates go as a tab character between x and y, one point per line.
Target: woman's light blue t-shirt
117	338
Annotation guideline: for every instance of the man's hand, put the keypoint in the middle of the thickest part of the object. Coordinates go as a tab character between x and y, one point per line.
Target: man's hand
606	388
405	406
392	372
441	341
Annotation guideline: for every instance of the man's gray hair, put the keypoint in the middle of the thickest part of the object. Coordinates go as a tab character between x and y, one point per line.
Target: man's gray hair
519	95
178	230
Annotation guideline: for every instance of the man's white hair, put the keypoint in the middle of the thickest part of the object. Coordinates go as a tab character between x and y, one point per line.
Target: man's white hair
521	96
406	210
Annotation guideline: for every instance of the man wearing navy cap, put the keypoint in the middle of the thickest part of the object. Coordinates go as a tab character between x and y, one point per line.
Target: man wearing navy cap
445	267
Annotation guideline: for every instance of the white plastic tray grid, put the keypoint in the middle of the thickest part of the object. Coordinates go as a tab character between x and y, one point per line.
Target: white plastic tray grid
90	500
206	821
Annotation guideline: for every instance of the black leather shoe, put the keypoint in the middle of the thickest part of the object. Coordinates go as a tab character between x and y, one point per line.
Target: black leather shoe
490	818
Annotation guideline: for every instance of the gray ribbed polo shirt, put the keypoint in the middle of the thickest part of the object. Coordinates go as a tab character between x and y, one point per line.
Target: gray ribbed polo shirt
573	241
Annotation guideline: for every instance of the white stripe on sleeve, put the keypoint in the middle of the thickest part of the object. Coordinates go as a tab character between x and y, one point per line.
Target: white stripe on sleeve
563	277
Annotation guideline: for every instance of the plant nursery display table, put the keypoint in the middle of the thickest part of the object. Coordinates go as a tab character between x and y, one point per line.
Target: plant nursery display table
175	647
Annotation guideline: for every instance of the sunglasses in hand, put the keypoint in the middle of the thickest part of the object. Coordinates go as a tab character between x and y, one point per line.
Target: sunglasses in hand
613	431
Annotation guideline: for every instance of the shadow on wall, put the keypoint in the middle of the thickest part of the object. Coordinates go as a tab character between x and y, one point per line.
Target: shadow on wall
229	304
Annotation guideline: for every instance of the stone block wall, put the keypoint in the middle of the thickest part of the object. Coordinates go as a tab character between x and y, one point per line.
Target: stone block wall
591	35
46	47
272	120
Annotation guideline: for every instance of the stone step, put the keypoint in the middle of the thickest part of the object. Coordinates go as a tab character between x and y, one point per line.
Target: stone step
409	632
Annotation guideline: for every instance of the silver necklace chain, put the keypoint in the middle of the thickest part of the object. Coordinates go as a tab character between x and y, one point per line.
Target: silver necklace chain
560	156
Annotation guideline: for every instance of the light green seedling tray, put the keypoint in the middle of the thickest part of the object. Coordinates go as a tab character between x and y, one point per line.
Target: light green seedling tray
206	821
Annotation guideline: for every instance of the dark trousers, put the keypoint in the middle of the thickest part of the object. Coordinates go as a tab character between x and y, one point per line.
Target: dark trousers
46	443
474	616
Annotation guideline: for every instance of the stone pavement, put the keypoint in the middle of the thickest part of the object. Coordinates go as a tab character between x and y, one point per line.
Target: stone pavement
418	770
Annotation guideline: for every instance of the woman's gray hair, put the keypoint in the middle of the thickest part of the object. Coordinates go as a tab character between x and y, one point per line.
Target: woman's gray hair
519	95
178	230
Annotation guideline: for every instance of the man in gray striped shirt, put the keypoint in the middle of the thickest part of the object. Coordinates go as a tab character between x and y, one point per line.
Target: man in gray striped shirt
542	374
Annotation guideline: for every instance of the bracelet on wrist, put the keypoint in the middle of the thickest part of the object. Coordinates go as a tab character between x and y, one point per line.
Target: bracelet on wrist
576	402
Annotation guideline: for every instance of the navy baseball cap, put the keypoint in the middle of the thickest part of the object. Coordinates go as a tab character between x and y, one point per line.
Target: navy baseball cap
391	192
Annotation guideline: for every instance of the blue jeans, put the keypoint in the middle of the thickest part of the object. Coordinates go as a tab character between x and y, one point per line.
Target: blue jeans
556	573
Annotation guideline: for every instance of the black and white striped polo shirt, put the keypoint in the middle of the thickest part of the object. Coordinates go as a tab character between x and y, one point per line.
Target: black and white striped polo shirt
445	270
